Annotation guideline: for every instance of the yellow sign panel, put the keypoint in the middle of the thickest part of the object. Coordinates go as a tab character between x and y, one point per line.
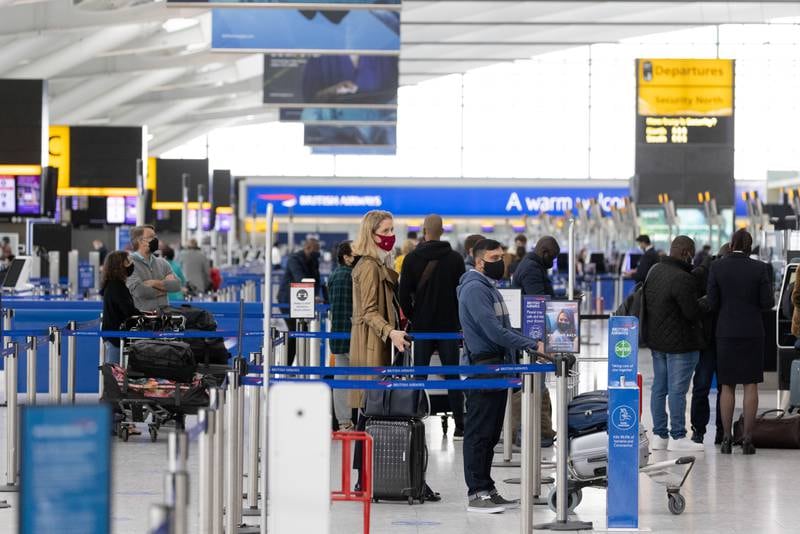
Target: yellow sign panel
58	150
685	87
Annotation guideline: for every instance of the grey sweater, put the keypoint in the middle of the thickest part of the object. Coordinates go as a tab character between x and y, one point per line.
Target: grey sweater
146	298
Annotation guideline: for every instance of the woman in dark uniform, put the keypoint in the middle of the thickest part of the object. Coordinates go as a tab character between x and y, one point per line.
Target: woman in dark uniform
739	290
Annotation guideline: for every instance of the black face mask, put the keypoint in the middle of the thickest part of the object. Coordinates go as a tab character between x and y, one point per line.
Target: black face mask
315	256
129	269
153	245
494	270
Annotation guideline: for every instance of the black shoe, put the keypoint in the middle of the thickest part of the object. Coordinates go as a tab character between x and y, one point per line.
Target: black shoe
727	445
458	434
718	437
697	437
748	447
430	495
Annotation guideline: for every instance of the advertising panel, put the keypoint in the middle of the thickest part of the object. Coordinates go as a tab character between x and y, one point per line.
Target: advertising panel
362	31
562	328
319	135
331	80
381	116
447	201
304	4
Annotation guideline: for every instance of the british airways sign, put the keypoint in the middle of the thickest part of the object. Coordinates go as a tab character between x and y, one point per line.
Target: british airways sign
419	201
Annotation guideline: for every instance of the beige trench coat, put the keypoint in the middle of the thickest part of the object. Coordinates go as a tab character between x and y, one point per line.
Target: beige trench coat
374	317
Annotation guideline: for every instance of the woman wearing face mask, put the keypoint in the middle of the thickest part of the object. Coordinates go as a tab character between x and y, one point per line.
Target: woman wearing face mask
117	300
565	337
376	313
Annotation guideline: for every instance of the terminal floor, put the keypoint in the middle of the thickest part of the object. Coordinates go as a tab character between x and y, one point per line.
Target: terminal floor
731	494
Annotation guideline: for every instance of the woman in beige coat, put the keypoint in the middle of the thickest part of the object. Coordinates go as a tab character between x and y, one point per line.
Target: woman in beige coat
376	316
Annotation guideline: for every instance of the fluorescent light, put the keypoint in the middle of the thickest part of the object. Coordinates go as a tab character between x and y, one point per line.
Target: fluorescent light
175	25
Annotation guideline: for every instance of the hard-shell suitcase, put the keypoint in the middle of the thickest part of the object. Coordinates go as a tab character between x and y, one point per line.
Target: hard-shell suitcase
589	453
400	458
794	386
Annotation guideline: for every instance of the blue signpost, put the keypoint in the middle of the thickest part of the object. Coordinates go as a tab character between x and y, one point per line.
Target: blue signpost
533	316
65	476
622	505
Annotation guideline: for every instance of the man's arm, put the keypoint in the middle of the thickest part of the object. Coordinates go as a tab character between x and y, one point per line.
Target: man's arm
142	290
685	293
481	306
170	284
408	282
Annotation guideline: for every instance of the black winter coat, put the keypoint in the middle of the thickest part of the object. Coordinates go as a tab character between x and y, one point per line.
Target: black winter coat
672	313
434	308
531	276
646	262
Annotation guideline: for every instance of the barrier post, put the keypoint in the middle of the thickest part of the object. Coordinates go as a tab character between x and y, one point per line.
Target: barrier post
239	453
508	431
217	400
205	448
12	420
266	357
8	316
563	364
254	423
314	359
101	361
54	371
528	465
71	363
31	371
535	419
232	481
177	481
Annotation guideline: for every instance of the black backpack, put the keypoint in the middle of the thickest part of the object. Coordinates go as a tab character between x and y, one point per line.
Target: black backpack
170	360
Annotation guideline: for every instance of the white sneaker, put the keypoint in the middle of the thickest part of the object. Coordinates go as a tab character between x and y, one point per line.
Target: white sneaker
685	445
657	443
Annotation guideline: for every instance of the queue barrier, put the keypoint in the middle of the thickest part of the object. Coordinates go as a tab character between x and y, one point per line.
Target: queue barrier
467	370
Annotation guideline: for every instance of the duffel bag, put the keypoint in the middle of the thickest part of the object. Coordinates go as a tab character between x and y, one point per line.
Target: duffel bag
209	350
196	318
779	432
171	360
590	415
397	403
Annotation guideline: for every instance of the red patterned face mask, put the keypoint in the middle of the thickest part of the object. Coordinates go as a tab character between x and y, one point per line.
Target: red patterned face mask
386	242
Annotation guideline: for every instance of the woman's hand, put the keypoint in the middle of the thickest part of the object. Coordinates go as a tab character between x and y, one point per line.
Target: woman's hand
398	339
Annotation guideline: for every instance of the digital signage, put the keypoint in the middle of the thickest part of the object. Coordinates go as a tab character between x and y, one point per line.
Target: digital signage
168	178
684	129
304	4
323	135
363	31
331	81
23	123
339	116
341	200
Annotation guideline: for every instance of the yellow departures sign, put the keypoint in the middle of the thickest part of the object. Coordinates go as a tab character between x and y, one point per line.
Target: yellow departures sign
685	87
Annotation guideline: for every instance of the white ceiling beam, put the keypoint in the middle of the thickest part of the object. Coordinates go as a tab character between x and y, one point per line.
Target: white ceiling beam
85	48
171	138
176	95
64	103
62	16
21	49
121	94
157	114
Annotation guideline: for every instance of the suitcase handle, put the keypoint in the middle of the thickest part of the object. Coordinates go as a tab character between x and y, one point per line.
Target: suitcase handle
781	412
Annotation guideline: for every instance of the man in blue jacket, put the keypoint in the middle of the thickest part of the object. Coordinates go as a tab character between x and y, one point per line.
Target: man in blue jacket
488	339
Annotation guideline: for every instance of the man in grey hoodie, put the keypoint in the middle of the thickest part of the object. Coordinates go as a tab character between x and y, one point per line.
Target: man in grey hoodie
152	276
488	339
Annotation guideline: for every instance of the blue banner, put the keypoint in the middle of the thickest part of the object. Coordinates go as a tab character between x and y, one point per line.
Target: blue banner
292	30
409	200
622	498
533	316
66	469
354	150
623	350
339	115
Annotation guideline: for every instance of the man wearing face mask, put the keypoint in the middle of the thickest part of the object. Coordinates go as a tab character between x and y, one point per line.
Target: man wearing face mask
531	274
152	276
488	339
302	264
675	335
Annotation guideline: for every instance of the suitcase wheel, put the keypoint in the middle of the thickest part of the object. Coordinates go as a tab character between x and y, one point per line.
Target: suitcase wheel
153	433
124	433
410	500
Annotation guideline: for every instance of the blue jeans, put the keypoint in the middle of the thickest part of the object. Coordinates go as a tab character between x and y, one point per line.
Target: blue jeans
112	353
672	374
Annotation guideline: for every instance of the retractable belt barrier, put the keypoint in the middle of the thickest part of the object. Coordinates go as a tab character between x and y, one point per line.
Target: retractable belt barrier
467	370
414	336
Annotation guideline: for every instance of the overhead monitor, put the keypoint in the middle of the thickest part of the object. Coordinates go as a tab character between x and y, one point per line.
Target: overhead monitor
169	182
23	122
340	116
328	5
18	273
346	136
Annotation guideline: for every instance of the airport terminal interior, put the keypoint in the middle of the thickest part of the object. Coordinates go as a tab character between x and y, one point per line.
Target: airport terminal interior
407	266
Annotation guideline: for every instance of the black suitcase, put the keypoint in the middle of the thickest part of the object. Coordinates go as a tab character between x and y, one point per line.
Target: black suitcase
209	350
171	360
196	318
400	458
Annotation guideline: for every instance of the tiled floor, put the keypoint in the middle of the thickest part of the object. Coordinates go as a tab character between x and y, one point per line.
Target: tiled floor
725	494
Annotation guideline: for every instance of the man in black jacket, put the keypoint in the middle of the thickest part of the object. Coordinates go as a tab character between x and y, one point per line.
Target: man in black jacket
427	295
531	274
646	262
674	335
302	264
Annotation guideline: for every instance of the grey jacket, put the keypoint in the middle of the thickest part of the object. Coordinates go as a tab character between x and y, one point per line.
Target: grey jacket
196	268
146	298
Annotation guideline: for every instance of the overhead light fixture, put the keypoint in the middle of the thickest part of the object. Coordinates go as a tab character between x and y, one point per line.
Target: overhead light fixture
176	25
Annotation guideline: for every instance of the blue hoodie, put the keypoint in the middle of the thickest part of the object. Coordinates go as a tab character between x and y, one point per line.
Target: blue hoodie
485	322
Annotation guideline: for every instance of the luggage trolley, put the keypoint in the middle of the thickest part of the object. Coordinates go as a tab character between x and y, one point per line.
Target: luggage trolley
140	399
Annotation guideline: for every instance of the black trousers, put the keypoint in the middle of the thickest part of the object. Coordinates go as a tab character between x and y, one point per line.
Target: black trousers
482	426
449	355
701	388
291	343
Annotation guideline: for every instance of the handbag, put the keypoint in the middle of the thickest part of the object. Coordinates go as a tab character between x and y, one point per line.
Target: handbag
397	403
781	432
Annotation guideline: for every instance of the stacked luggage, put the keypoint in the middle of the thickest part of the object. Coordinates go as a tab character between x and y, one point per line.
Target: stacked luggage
163	379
